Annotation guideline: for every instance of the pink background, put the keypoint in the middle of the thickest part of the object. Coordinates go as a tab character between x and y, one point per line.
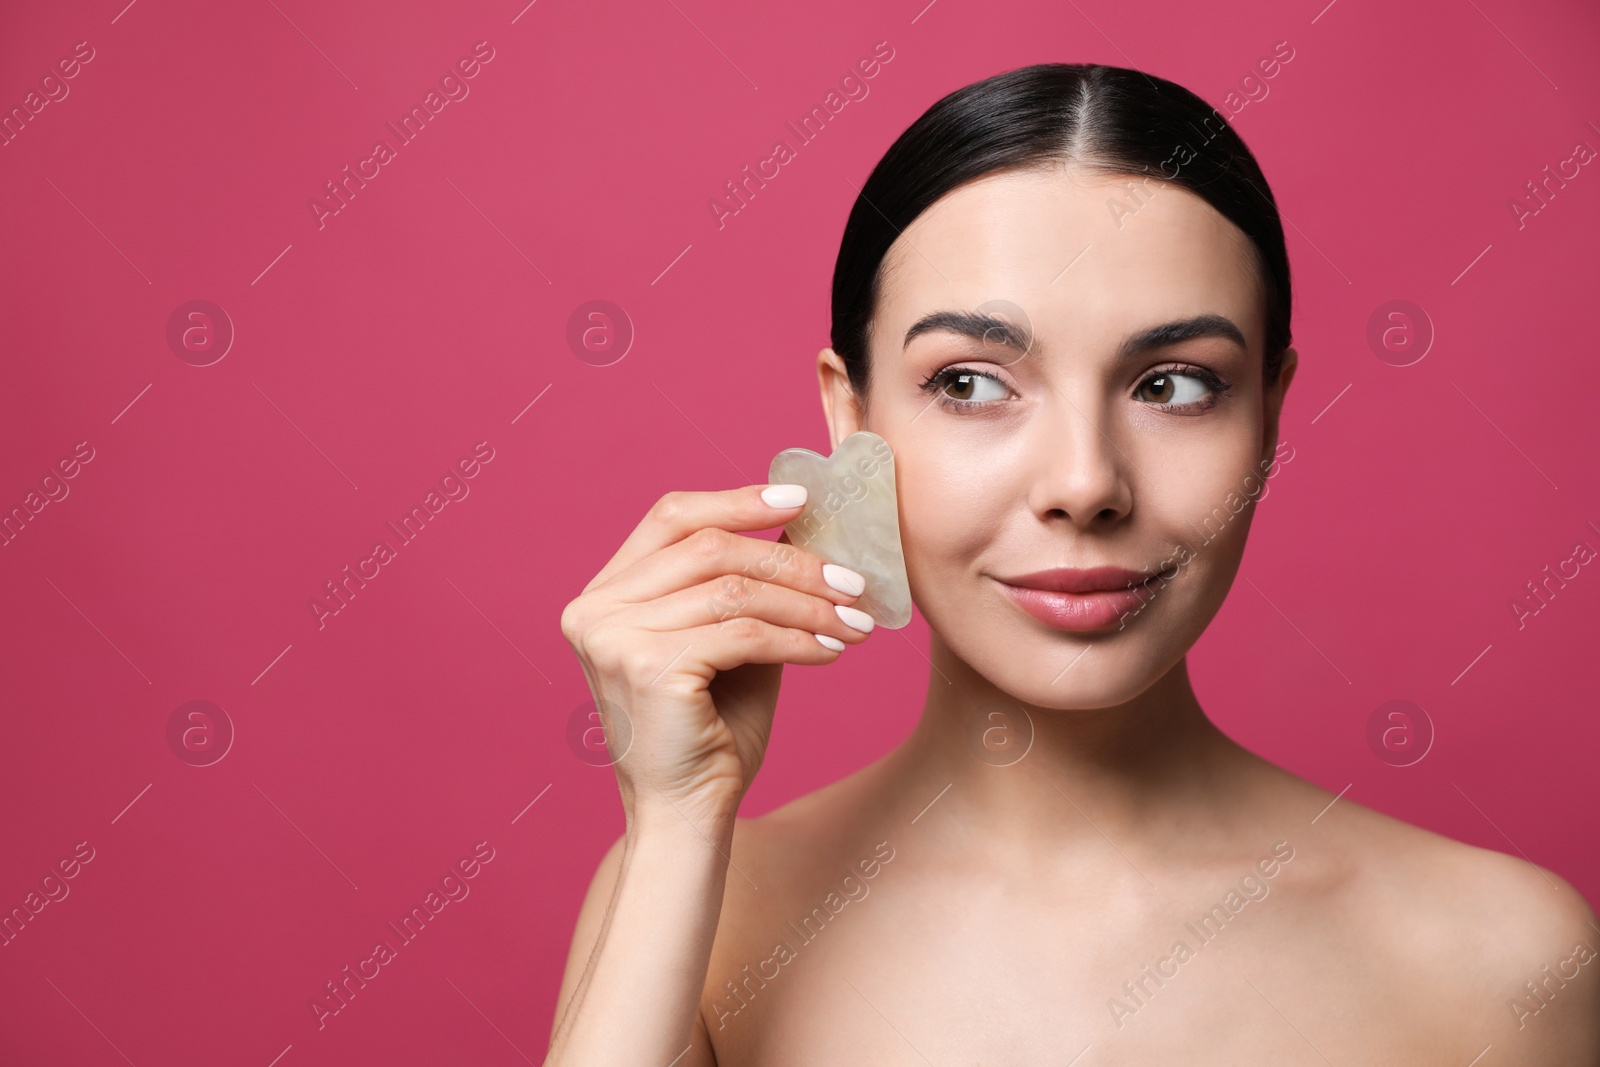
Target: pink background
374	352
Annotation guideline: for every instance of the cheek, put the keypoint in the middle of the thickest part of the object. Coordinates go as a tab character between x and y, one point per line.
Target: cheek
1205	499
1193	506
950	504
1204	479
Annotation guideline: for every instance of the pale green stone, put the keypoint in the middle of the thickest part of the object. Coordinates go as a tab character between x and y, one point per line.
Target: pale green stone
852	518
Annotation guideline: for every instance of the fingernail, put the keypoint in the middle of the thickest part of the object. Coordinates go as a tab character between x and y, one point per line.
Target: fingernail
843	579
784	496
832	643
855	618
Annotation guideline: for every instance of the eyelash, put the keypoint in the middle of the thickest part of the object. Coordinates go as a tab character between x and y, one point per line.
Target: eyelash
936	382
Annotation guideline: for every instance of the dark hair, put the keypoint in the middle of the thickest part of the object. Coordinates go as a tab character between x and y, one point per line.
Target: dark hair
1107	119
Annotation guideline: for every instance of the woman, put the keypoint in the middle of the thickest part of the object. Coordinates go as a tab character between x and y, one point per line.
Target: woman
1063	299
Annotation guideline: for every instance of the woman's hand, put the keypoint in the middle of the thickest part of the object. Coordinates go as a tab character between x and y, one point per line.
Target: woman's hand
682	637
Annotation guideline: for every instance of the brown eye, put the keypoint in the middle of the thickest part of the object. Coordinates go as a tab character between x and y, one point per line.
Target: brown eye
1175	390
965	390
960	387
1159	389
970	387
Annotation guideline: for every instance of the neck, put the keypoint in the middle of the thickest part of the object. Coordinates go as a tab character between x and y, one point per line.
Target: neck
1141	769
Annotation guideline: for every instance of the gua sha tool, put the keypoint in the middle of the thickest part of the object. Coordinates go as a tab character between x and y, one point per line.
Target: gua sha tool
852	518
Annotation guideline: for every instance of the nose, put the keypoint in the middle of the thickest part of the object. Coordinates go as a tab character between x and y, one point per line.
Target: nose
1080	473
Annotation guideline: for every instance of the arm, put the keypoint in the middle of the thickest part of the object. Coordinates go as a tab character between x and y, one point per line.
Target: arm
682	638
642	944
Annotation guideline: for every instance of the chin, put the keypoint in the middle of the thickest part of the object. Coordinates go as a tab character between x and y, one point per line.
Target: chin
1078	675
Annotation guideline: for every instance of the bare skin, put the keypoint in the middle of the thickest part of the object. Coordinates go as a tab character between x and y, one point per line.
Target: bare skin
1136	887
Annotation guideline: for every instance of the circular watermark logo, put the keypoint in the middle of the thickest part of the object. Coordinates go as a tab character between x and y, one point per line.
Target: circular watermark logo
1006	344
199	332
599	735
599	332
999	734
1399	332
1400	733
199	732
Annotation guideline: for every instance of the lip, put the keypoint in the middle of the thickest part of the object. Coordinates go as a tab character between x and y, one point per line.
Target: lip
1080	600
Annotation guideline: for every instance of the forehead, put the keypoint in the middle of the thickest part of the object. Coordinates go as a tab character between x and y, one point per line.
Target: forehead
1086	257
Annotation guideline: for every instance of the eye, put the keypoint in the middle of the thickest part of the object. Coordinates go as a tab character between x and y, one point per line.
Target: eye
1182	389
956	387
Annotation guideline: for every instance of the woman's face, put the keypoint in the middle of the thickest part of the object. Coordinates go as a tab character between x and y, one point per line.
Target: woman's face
1061	434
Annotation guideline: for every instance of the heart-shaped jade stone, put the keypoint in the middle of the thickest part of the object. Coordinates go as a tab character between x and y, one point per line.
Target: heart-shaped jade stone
852	518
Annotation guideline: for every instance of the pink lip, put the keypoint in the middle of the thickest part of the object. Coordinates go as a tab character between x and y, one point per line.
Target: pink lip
1079	601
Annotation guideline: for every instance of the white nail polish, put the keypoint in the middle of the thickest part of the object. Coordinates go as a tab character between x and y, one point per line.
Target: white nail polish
843	579
855	618
832	643
784	496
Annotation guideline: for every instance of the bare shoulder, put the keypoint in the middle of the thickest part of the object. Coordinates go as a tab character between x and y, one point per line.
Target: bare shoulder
1503	947
813	828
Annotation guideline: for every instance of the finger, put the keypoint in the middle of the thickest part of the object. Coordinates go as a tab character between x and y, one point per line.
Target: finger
734	596
722	647
679	514
711	553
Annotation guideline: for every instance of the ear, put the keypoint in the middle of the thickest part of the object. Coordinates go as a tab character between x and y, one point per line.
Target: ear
839	403
1273	401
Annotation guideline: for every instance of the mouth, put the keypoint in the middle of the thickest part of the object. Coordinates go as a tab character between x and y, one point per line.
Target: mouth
1081	601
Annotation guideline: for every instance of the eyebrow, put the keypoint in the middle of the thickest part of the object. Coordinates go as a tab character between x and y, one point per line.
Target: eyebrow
995	330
